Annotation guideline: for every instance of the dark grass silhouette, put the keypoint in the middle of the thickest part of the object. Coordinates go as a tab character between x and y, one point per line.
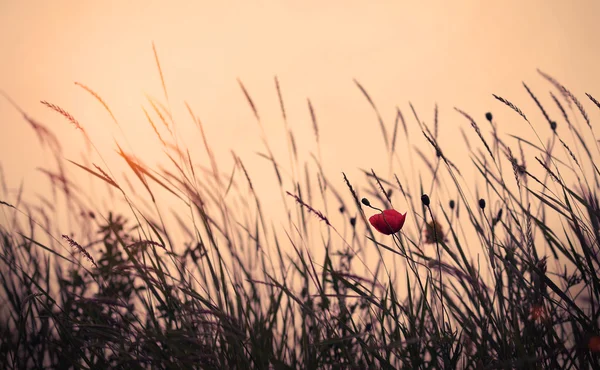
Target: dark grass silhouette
480	279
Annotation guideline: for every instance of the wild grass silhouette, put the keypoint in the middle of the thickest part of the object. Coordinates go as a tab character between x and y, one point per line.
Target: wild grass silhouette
480	279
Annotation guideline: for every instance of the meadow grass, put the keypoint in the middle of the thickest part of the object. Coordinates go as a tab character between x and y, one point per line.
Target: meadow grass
500	276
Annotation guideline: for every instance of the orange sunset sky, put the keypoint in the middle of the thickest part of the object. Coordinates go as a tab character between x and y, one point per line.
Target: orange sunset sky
455	53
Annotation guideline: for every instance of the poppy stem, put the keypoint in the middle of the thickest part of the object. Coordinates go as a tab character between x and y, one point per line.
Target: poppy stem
375	208
437	244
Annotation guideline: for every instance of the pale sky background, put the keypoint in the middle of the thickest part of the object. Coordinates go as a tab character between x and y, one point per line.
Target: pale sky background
455	53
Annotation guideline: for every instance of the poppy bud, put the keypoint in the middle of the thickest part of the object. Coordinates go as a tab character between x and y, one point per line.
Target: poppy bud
553	125
482	203
366	202
425	200
342	209
452	204
353	221
488	116
499	215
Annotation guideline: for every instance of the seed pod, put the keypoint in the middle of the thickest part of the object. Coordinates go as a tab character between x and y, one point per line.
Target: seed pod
425	200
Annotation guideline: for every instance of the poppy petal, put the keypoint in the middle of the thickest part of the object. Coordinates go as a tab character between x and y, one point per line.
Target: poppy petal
388	222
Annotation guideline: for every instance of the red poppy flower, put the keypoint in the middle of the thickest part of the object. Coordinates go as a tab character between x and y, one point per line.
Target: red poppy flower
388	222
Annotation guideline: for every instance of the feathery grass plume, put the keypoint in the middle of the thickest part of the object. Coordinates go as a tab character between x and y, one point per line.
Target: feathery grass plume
81	250
429	135
154	127
64	113
249	100
522	152
293	142
59	180
317	213
465	138
385	193
568	95
404	126
95	95
141	168
241	164
438	151
160	72
395	132
561	108
44	135
270	157
537	102
211	155
421	124
593	100
354	195
313	119
280	97
570	153
159	114
137	170
308	183
381	124
529	230
292	150
231	179
548	170
477	130
515	165
557	85
511	105
401	187
580	107
106	176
